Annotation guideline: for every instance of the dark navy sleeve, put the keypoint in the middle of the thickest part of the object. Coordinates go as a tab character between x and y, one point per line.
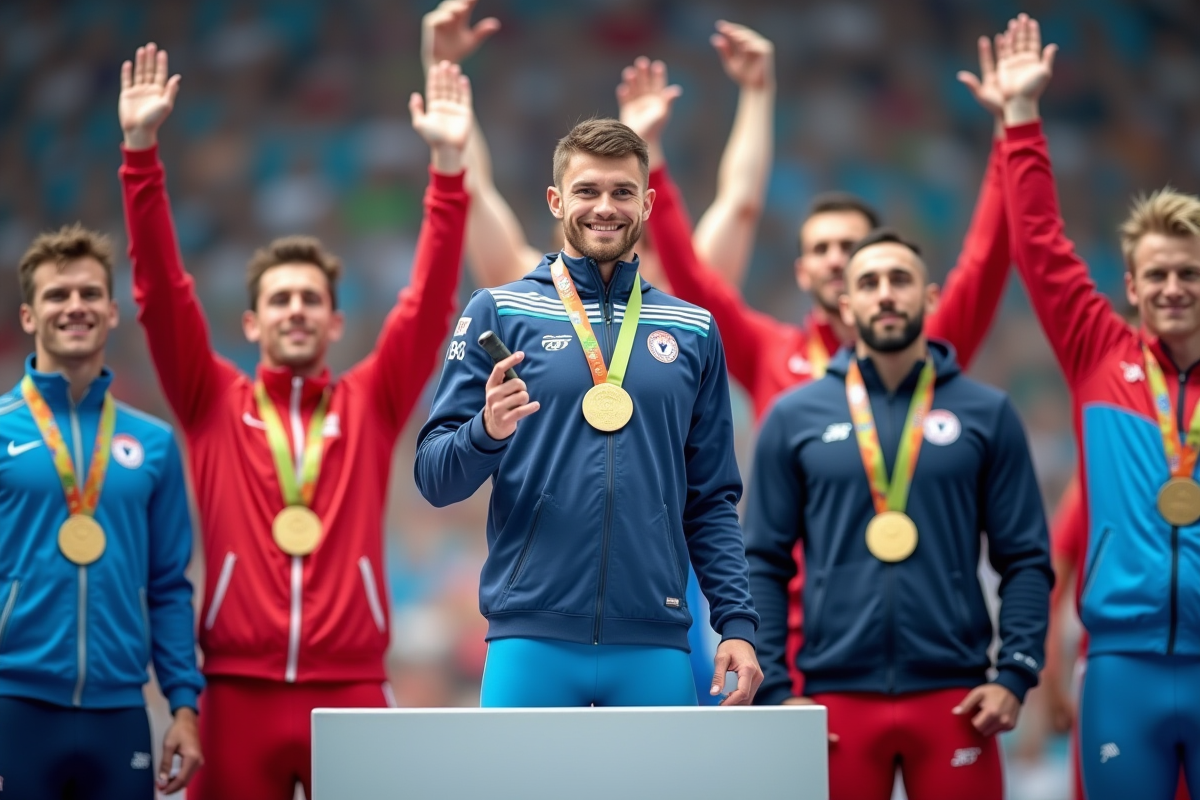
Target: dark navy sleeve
455	454
774	522
714	486
1019	549
168	590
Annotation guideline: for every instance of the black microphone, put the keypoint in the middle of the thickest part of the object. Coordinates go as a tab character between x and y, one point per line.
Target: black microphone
495	348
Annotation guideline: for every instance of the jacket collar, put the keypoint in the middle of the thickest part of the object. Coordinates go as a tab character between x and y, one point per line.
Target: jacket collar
281	382
585	273
942	353
56	390
1163	356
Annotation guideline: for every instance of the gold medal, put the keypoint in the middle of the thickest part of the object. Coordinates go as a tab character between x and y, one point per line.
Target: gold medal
297	530
607	407
892	536
1179	501
81	539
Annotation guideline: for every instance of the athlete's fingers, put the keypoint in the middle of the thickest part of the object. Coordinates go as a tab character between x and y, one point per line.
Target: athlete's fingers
496	378
170	748
521	412
721	666
987	721
191	762
968	704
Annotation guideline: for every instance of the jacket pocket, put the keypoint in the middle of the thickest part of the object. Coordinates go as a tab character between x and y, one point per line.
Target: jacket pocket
222	587
145	608
526	548
10	603
961	609
372	590
680	570
811	626
646	579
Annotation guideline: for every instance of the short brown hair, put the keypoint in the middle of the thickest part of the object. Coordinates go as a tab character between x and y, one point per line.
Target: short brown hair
292	250
68	243
1167	211
605	137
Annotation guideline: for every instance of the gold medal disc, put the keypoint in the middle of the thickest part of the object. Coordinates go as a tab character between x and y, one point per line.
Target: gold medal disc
1179	501
297	530
607	407
81	539
892	536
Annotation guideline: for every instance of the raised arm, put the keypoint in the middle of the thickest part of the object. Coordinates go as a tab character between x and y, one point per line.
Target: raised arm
497	249
724	236
1079	322
975	286
190	372
409	344
645	100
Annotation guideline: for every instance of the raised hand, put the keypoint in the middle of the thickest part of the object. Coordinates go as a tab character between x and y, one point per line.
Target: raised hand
147	96
747	56
985	87
448	35
443	117
645	99
1023	68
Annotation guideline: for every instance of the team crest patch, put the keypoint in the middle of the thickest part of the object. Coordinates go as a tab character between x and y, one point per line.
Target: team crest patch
128	451
552	343
942	427
461	328
663	346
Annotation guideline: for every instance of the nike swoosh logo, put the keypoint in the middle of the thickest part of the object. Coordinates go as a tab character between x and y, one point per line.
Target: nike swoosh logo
14	450
252	422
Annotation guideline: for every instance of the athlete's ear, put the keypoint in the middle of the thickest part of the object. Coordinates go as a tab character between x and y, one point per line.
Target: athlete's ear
115	316
337	326
1131	289
647	204
554	200
844	308
250	326
933	296
28	321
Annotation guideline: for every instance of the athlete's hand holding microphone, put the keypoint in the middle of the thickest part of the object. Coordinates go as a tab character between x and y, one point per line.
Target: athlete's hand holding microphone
507	398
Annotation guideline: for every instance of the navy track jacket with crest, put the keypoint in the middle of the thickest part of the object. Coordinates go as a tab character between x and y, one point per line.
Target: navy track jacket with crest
589	533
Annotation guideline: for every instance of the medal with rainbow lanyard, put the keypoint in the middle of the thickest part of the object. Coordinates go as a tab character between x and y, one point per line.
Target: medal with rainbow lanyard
1179	497
606	406
81	539
297	529
891	534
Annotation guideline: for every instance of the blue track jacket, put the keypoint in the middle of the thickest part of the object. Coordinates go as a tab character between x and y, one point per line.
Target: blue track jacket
83	636
589	533
922	623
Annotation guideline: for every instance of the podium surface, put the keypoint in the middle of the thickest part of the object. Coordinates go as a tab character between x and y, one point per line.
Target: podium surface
577	753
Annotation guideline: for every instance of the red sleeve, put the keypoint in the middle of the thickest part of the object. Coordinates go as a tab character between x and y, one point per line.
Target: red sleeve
1068	529
409	345
191	374
744	331
1079	321
975	286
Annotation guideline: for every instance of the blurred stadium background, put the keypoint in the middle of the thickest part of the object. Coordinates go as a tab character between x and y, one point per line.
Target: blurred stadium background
292	118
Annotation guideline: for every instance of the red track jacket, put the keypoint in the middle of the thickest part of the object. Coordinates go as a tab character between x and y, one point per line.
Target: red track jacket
322	617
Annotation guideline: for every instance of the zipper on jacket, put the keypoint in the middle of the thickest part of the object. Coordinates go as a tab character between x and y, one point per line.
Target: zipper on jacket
9	605
293	651
889	577
609	448
219	593
81	619
1174	613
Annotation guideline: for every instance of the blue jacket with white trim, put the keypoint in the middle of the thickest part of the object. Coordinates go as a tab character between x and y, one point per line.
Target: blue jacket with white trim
83	635
922	623
589	533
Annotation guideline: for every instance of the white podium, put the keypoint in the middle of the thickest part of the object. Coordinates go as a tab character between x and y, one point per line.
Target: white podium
571	753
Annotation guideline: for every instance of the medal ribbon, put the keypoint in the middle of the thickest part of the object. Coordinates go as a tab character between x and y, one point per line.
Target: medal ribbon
298	490
615	372
1181	455
893	495
78	501
818	356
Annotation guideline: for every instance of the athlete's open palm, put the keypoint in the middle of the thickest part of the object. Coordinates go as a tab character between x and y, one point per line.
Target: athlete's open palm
645	98
443	116
986	86
747	56
147	95
1023	66
448	35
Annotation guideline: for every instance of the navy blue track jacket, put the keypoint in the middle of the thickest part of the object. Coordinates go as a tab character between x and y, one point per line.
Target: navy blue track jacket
922	623
589	533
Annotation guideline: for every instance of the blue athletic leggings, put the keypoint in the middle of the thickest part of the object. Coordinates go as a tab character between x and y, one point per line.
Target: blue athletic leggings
1139	722
50	752
542	673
